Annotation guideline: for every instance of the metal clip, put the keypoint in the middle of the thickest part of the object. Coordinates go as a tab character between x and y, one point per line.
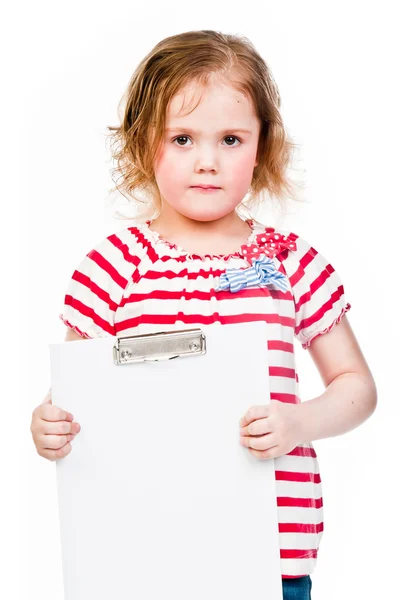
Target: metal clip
165	345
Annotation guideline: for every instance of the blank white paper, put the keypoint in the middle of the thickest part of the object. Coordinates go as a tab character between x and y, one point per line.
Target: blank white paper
158	500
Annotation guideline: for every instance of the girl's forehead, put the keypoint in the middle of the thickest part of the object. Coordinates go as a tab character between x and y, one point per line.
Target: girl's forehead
206	100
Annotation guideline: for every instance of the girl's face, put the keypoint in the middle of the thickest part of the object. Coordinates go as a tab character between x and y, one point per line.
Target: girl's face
207	147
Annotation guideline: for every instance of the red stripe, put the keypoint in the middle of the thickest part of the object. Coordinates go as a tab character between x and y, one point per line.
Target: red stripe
301	527
151	253
257	292
282	372
88	312
299	554
318	315
297	476
130	258
308	257
168	295
303	451
191	275
291	398
108	268
93	287
300	502
199	295
303	263
279	345
314	286
202	320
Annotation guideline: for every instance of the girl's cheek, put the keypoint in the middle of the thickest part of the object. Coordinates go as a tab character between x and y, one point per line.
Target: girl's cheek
243	170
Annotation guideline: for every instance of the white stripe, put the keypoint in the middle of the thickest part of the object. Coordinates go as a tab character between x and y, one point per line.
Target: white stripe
293	567
83	294
294	514
225	308
303	541
319	298
297	464
298	489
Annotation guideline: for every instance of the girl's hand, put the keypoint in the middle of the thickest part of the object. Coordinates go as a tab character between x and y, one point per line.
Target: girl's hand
272	430
53	430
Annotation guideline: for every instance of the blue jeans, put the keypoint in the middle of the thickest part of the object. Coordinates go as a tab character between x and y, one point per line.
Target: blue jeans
298	588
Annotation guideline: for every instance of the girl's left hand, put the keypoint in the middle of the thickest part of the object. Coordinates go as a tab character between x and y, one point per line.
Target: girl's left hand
272	430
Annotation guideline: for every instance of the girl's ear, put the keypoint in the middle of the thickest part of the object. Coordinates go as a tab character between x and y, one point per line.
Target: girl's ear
257	162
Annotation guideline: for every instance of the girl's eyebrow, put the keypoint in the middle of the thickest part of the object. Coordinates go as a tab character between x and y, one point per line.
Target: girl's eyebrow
189	130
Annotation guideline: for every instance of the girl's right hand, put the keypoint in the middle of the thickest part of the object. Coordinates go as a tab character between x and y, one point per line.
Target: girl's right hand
53	430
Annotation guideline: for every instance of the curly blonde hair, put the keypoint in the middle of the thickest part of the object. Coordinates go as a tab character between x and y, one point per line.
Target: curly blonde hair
198	56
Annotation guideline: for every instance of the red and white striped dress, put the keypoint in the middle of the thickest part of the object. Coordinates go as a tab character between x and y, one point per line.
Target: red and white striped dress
135	282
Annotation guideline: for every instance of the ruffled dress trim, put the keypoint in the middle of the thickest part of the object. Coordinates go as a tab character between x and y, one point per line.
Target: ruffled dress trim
157	238
261	246
74	328
344	310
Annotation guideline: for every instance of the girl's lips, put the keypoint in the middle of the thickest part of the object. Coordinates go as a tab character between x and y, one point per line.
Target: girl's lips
206	187
202	189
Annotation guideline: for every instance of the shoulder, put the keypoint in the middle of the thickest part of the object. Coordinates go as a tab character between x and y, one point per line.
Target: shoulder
98	283
126	245
128	237
317	288
299	248
114	260
285	244
299	258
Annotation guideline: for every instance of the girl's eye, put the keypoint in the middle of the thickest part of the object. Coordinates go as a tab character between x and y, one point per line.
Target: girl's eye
185	137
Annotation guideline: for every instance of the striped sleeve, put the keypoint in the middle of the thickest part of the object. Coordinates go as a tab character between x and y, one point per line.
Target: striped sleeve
96	288
318	292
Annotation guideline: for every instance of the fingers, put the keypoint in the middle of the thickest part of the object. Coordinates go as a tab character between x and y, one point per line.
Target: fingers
54	435
54	442
57	427
49	412
55	446
51	454
263	442
53	430
254	413
259	427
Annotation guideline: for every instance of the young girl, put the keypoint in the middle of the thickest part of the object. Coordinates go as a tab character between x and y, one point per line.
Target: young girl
202	129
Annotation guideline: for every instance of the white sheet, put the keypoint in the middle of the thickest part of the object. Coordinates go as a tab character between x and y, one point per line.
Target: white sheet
158	500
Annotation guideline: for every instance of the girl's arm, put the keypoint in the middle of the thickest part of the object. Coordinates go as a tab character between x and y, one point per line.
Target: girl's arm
71	336
350	396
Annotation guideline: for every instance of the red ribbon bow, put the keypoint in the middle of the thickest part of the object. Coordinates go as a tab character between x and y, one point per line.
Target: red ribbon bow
268	243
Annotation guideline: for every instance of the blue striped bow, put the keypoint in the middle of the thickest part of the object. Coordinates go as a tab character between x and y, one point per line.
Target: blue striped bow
262	272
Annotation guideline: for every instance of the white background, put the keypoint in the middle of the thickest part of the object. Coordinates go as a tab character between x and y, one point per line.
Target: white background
67	66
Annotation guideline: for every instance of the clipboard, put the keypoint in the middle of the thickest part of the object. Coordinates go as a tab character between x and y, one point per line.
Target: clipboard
157	498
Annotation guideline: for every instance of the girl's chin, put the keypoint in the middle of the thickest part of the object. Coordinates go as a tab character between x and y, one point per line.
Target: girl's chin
208	215
202	207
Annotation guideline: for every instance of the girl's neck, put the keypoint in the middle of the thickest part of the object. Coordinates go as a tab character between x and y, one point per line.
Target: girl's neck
223	236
